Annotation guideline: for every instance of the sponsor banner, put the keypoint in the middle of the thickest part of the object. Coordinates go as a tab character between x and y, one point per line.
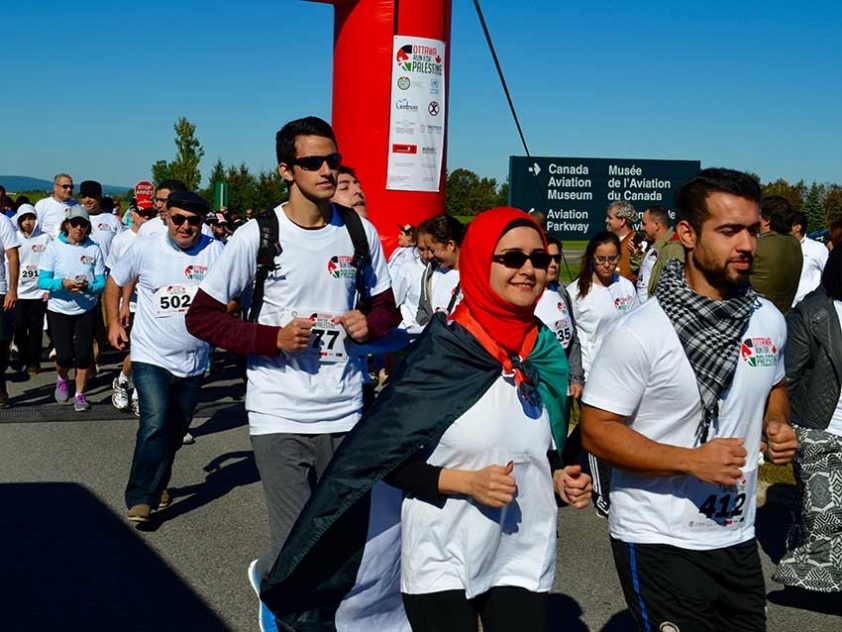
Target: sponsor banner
416	115
574	193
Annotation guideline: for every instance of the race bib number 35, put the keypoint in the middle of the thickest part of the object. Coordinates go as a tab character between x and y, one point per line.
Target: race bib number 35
172	300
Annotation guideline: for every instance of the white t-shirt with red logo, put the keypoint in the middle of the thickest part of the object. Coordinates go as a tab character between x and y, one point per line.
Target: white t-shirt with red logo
168	279
318	390
31	250
551	310
104	227
596	312
643	374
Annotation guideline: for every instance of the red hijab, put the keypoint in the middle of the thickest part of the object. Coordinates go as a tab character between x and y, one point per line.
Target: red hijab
513	328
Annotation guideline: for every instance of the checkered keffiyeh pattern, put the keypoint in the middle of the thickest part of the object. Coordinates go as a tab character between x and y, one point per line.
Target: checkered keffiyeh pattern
710	332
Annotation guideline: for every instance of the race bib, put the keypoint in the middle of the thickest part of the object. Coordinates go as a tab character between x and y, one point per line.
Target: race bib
719	507
328	338
29	274
563	329
173	300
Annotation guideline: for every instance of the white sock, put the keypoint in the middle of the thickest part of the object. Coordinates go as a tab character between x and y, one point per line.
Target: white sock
123	379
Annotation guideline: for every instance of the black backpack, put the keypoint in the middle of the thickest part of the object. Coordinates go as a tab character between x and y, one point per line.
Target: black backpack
270	247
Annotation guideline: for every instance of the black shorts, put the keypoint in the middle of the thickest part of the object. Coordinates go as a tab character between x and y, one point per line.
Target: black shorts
668	589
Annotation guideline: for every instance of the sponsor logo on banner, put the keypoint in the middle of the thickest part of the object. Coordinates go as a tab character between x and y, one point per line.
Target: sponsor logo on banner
433	108
431	129
404	149
420	58
341	267
404	83
759	352
404	104
195	273
429	151
404	127
404	57
435	85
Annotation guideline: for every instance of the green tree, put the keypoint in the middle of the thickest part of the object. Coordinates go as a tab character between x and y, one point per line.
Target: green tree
185	166
458	189
833	203
814	208
483	196
242	188
503	194
795	193
217	174
271	190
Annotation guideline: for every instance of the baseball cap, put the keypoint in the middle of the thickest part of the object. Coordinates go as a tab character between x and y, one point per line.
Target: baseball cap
78	211
187	201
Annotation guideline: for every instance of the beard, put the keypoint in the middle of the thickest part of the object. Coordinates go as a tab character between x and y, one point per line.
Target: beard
719	274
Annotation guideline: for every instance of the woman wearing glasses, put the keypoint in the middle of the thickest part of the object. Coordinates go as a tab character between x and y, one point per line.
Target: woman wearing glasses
600	296
464	431
73	272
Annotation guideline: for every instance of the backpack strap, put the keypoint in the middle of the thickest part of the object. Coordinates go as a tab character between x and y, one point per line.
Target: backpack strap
362	253
269	248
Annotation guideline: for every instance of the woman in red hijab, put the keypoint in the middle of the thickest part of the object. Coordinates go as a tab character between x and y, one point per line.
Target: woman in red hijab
464	429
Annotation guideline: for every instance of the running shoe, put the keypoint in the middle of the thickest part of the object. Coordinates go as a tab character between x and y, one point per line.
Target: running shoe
135	405
80	404
120	396
61	393
52	355
265	618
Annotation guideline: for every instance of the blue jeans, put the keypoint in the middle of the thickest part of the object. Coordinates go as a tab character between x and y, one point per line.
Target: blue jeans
167	403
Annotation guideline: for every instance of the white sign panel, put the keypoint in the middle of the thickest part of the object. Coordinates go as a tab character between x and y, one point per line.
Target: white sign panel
416	121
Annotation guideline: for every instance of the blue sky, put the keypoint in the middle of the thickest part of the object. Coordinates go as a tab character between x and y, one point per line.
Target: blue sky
93	88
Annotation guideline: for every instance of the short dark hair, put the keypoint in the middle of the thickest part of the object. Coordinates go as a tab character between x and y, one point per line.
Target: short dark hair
659	214
171	184
307	126
345	170
107	204
800	219
778	211
554	241
444	228
692	197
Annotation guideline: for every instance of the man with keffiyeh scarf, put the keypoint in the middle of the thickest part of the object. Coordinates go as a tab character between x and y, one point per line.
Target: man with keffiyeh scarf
704	389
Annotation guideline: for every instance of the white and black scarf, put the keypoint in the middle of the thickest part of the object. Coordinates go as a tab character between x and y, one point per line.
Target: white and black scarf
710	332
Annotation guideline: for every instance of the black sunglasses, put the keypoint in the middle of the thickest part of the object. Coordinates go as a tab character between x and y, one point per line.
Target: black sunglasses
192	220
77	222
556	258
515	259
314	163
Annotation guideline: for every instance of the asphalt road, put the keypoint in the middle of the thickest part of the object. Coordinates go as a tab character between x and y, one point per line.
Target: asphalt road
71	561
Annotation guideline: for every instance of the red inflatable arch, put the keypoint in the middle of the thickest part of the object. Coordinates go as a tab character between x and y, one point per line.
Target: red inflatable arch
363	101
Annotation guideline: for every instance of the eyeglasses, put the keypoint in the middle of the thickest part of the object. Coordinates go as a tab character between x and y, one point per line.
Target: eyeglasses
603	260
192	220
515	259
556	258
68	187
77	222
314	163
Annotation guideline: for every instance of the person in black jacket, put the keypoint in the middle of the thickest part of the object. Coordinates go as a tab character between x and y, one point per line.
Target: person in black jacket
813	560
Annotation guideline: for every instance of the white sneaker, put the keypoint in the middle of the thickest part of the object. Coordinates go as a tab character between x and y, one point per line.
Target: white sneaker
188	439
120	396
52	355
135	405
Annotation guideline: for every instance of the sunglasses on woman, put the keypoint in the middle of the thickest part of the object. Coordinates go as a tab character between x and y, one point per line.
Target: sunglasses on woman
515	259
78	222
192	220
314	163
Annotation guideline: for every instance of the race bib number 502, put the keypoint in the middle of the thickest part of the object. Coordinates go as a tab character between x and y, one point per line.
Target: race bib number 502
172	300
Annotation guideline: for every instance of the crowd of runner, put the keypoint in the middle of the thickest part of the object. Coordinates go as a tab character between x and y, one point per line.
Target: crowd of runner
434	505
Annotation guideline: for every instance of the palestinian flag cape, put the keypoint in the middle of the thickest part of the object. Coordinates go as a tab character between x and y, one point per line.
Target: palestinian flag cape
340	566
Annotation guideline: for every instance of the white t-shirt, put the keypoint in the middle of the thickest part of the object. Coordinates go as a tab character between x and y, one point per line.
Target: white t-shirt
156	226
104	227
406	286
649	259
67	261
815	257
403	255
8	239
318	390
168	278
467	546
31	250
119	247
51	213
444	284
552	311
597	310
642	373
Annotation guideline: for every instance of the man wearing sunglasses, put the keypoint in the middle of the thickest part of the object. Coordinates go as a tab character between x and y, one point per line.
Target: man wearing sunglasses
53	210
167	362
141	212
305	381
